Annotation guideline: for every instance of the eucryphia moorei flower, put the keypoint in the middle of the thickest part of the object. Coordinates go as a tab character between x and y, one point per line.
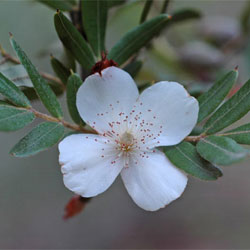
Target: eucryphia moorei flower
130	127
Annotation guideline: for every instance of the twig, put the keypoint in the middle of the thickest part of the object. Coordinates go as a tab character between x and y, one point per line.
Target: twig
43	74
64	123
194	138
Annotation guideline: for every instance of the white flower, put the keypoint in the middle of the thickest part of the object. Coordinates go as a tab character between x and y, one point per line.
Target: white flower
130	127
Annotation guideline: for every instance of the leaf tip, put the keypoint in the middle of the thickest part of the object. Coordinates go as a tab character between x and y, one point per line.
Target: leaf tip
58	11
11	35
167	16
236	68
71	72
12	152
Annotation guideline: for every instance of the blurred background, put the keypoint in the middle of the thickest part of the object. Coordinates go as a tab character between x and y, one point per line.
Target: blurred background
209	215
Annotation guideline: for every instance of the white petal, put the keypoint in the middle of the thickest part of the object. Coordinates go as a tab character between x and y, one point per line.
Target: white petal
89	164
106	99
153	182
170	110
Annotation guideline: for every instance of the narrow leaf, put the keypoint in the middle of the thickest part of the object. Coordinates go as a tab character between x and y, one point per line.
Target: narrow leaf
240	135
73	85
73	2
185	157
165	6
42	88
138	37
211	99
94	18
63	5
245	18
43	136
114	3
32	95
61	71
184	15
133	68
12	118
69	60
12	92
231	111
146	9
73	41
220	150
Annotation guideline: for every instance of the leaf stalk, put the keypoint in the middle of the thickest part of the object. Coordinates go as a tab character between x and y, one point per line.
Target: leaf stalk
63	122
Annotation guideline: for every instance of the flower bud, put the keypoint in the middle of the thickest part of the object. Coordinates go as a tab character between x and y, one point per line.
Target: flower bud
75	206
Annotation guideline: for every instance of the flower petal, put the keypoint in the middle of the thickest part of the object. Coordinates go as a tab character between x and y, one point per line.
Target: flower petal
152	181
89	164
168	113
107	99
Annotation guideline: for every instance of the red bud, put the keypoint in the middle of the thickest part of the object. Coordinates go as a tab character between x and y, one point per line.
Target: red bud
75	206
103	64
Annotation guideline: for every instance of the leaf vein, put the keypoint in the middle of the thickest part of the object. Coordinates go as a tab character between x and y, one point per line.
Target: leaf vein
229	110
86	56
138	38
229	153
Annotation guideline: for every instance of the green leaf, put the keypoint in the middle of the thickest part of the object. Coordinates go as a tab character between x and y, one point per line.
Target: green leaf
73	85
73	2
73	41
165	6
185	157
220	150
211	99
146	9
61	71
184	15
231	111
114	3
12	92
245	18
64	5
42	88
137	38
18	75
44	136
94	18
240	135
32	95
12	118
69	61
133	68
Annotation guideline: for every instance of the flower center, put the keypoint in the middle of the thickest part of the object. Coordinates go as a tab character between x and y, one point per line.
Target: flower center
126	142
